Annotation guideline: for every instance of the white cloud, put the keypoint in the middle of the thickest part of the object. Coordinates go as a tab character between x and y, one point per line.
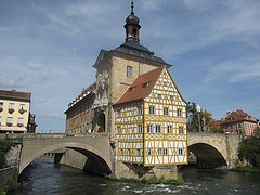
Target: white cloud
238	70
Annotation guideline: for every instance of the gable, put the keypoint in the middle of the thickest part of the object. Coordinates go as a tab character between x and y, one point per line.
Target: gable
166	87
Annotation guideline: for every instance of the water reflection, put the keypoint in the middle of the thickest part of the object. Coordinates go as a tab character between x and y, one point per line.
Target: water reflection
43	177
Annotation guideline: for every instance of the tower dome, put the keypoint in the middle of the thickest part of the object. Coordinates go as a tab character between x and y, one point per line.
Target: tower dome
132	26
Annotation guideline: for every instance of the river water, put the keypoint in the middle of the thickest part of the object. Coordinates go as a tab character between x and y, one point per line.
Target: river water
44	178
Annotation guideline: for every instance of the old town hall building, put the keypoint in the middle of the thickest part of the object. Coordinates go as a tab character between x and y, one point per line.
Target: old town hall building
136	101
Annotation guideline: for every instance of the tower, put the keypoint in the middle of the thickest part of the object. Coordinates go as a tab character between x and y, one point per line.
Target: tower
132	26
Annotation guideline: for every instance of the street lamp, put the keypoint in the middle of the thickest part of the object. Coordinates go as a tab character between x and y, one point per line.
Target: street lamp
198	111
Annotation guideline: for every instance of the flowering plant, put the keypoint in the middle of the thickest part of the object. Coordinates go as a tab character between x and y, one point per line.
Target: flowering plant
21	111
11	110
9	124
19	124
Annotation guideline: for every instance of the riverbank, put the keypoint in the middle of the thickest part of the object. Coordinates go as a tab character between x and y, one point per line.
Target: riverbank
152	180
245	169
10	186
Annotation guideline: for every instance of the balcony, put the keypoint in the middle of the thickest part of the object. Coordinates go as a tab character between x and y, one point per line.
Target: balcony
100	103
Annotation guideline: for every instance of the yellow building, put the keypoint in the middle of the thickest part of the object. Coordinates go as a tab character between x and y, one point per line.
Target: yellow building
151	121
14	111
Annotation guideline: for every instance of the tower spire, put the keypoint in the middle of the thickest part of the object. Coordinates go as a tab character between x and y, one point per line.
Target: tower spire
132	7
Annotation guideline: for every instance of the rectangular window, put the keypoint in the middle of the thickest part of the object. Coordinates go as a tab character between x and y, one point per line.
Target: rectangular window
129	71
159	151
149	151
11	105
165	151
149	128
118	113
159	96
139	110
180	151
166	111
21	106
20	120
158	129
169	129
121	152
180	130
129	152
151	109
165	84
1	104
140	129
171	97
179	112
138	152
10	119
118	130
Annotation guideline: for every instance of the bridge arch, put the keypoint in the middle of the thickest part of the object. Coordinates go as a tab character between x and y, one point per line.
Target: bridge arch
207	156
41	148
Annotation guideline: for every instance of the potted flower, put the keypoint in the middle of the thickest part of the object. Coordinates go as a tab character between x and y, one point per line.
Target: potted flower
21	111
19	124
8	124
11	110
101	129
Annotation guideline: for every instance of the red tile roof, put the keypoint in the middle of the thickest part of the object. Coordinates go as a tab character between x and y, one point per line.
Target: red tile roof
137	90
238	115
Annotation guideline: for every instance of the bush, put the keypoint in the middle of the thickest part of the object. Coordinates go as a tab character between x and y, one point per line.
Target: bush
5	146
249	149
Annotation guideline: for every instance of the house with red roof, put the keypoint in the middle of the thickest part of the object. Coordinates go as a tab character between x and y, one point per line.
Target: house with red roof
150	121
239	122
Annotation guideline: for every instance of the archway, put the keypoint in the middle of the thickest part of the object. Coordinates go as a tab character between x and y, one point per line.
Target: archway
102	121
207	156
98	163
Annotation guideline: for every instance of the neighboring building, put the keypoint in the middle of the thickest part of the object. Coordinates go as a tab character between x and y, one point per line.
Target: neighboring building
238	122
151	121
80	113
32	124
14	111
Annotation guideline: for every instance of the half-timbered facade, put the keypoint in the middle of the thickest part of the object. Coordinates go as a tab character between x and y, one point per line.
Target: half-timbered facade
150	121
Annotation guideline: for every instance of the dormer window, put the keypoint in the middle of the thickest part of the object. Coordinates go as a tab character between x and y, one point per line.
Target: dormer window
145	85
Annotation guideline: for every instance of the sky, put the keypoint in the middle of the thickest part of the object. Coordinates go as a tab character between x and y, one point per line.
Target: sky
48	48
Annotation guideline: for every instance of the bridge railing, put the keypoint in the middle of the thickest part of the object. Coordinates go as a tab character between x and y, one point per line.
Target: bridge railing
50	135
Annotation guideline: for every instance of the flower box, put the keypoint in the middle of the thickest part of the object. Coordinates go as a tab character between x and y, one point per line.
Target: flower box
9	124
21	111
11	110
19	124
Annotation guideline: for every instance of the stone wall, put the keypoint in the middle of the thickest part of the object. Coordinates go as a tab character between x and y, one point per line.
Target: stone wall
139	172
8	174
13	156
73	159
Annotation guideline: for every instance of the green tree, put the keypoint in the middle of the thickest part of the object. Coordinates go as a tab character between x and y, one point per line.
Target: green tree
249	149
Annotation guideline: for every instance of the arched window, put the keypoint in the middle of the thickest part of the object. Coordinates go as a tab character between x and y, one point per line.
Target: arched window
134	32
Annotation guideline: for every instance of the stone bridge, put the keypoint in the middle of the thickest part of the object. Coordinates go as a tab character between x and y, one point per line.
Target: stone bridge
214	150
95	146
